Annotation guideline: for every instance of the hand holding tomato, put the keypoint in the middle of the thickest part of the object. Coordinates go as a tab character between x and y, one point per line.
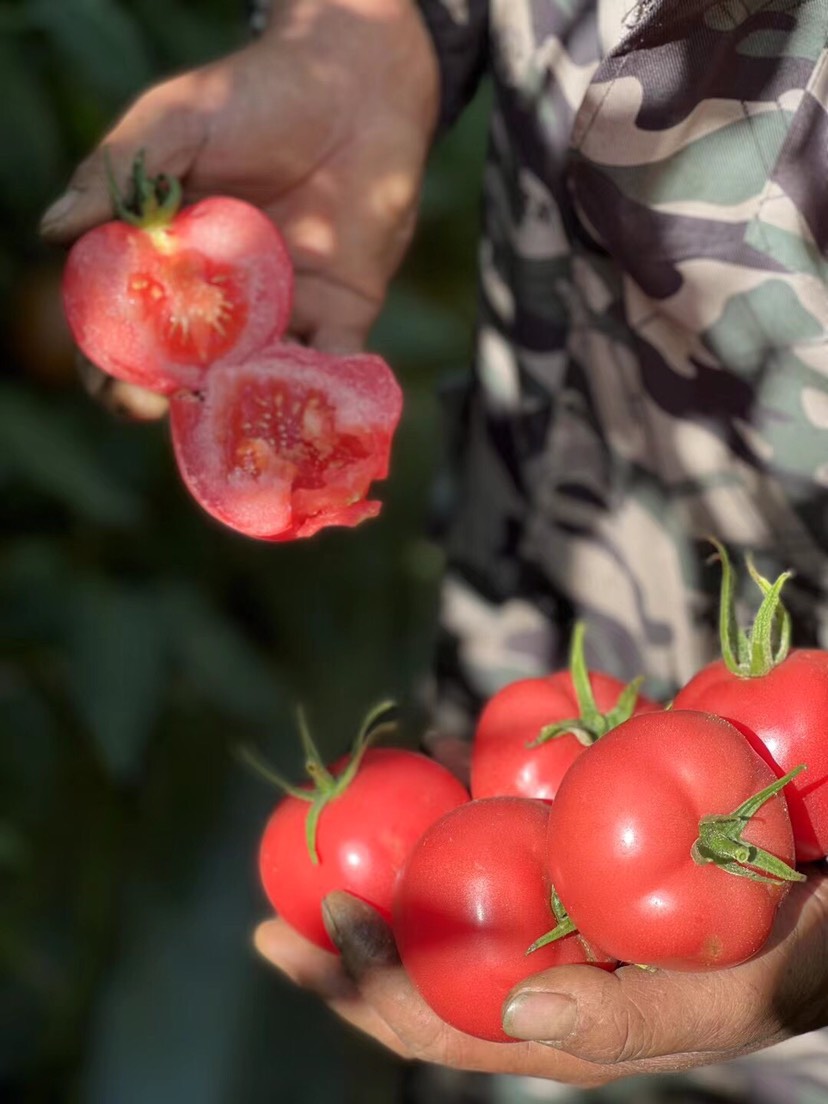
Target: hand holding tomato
290	124
607	1026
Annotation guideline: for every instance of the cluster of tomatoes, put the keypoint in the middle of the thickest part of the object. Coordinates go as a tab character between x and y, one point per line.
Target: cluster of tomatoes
274	440
600	828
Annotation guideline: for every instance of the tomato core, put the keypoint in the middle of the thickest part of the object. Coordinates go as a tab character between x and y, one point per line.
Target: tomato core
274	425
195	306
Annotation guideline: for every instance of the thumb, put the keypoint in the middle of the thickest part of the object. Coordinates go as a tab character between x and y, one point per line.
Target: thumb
635	1014
630	1015
165	122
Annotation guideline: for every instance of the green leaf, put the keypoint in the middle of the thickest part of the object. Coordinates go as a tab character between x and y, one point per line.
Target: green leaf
119	668
30	139
40	446
222	665
415	331
100	42
33	591
15	851
185	34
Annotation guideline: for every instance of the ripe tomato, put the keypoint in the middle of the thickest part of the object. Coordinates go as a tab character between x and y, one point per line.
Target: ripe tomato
472	898
363	836
782	713
621	839
288	442
506	758
156	302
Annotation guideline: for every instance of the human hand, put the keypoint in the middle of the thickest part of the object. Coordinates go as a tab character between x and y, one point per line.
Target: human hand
324	122
608	1025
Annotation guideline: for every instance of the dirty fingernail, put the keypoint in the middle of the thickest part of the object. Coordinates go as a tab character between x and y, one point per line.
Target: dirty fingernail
543	1017
358	932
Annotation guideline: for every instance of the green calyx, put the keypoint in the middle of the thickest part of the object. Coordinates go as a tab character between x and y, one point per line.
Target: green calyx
152	202
563	927
591	724
325	786
720	841
751	654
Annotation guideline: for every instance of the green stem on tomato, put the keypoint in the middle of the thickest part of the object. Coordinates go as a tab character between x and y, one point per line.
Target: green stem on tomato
755	653
325	785
720	841
563	927
590	724
153	201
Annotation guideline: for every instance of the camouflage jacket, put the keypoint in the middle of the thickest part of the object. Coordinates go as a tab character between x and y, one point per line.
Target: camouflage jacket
652	352
652	355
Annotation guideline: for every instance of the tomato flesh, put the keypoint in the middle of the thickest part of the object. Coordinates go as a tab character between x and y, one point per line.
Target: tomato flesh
364	837
621	831
472	898
156	307
289	442
783	715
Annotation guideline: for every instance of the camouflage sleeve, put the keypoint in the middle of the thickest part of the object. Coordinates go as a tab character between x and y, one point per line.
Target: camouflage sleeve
459	29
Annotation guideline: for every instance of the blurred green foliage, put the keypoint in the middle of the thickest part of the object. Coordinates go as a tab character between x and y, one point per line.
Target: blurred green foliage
141	643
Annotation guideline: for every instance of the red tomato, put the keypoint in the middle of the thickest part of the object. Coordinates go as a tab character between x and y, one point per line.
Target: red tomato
364	835
288	442
502	761
156	305
782	714
621	835
472	898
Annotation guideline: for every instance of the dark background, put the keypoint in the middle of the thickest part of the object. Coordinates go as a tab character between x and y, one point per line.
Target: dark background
141	643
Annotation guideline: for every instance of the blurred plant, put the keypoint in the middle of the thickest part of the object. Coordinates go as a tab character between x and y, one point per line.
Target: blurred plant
138	641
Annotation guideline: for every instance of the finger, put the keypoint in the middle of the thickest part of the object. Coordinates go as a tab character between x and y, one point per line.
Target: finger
163	124
125	400
322	973
635	1014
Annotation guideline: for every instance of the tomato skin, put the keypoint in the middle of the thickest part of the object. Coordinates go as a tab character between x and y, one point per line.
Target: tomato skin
157	307
783	715
472	898
621	831
288	442
501	763
364	837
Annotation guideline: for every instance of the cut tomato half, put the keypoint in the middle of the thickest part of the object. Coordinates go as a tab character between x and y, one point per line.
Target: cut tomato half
289	442
156	305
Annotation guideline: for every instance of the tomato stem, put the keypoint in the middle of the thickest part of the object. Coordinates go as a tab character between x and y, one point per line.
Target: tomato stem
720	841
752	654
563	927
153	201
253	759
591	724
325	785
